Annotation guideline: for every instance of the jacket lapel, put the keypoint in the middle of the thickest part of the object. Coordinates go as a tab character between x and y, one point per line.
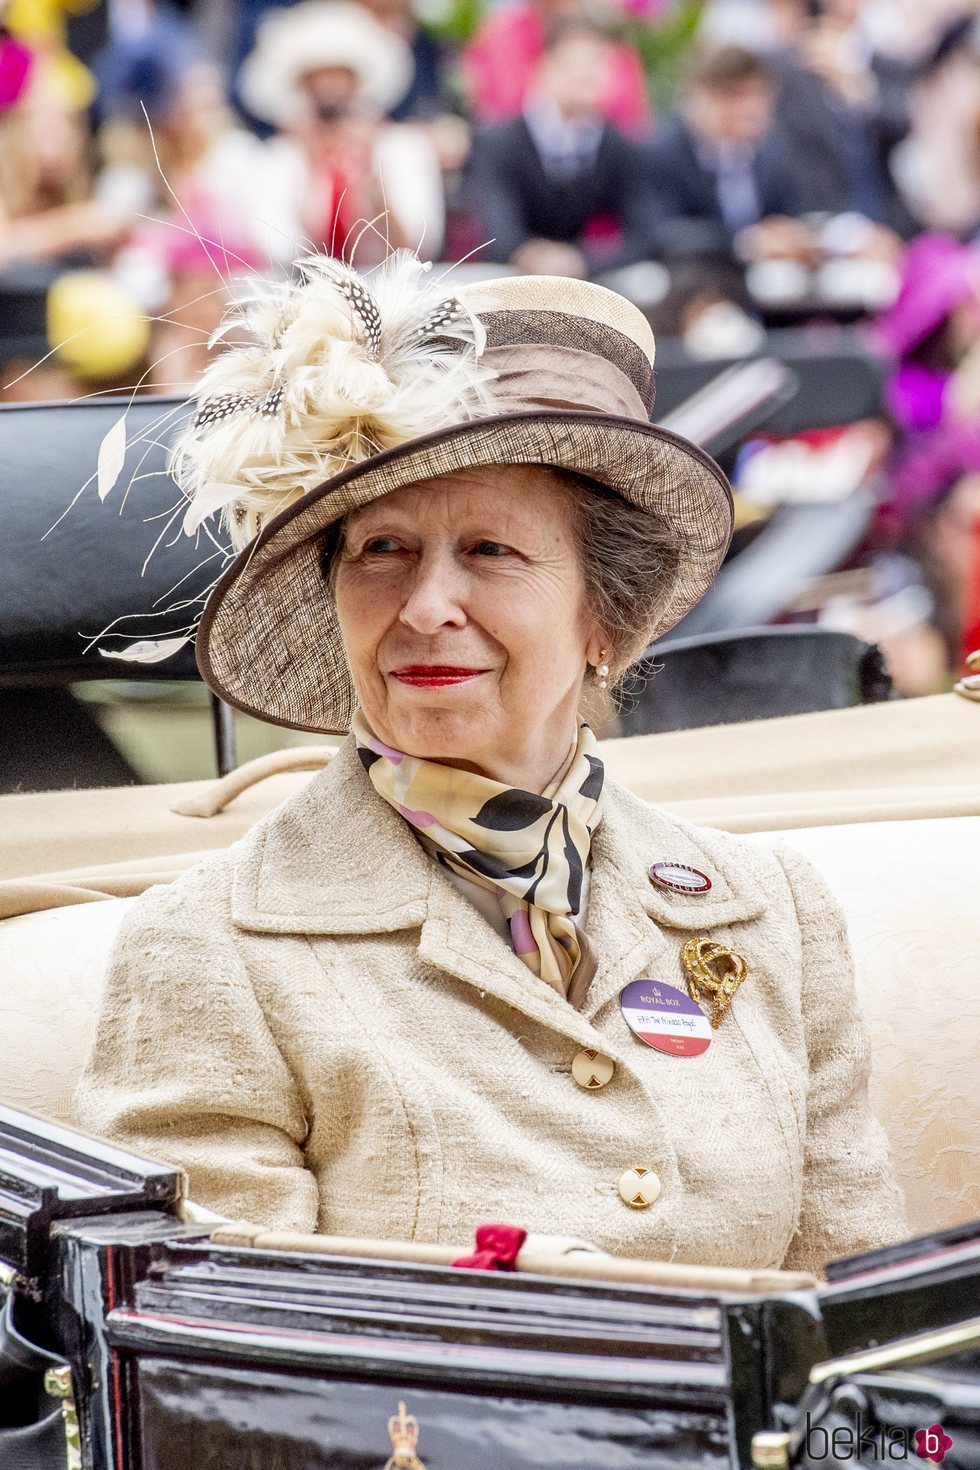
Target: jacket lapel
457	940
637	927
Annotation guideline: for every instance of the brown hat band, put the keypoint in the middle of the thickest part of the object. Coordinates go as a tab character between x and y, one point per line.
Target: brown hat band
531	377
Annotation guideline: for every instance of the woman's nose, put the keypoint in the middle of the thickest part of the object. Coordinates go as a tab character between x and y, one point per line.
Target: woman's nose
434	597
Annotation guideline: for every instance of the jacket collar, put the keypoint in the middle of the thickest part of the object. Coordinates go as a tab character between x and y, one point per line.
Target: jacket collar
337	859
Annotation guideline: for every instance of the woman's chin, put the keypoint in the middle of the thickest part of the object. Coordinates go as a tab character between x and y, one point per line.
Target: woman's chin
435	732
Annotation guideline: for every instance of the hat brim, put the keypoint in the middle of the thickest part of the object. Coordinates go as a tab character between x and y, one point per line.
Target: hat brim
269	642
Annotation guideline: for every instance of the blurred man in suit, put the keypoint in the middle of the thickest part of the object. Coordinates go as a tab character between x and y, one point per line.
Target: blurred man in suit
721	178
556	190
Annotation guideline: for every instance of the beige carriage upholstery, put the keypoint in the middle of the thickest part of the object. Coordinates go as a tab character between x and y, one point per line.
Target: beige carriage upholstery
907	883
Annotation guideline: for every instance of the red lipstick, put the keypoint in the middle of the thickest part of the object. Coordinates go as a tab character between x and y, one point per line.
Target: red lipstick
434	676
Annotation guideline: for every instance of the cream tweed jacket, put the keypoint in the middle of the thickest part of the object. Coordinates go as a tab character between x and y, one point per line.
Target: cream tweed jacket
327	1035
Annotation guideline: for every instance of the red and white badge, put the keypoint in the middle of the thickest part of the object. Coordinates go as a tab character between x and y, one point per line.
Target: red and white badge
680	878
665	1018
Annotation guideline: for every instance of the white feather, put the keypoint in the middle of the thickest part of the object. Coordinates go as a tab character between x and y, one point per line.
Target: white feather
355	375
147	650
207	500
112	457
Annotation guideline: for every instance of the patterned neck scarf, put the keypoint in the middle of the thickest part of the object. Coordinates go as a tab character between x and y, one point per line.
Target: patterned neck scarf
531	851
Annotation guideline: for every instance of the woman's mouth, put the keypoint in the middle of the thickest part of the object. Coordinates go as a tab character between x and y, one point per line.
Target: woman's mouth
434	676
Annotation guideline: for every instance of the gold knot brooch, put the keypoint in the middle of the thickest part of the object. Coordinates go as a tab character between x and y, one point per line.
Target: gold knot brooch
714	973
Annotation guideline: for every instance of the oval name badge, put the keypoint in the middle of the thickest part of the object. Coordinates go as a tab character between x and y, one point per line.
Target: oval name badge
665	1018
680	878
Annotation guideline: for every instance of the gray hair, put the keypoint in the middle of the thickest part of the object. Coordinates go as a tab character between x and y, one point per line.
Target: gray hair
629	561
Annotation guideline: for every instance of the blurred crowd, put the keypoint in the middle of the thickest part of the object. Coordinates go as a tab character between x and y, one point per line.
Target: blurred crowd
731	164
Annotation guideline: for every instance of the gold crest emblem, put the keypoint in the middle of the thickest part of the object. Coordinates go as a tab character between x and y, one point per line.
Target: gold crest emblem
403	1428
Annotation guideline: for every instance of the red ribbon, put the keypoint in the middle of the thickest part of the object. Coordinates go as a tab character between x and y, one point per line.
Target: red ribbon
497	1247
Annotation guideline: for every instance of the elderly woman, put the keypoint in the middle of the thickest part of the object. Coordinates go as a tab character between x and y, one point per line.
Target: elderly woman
461	977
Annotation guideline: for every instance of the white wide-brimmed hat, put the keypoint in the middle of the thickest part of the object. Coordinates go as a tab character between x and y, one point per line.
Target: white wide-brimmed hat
293	42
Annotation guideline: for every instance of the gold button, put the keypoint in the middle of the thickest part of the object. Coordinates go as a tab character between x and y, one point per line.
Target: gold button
639	1187
591	1069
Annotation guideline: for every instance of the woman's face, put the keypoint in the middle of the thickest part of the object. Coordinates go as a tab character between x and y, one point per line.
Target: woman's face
462	607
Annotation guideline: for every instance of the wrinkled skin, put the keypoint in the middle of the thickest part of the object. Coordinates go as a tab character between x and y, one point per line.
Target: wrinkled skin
477	570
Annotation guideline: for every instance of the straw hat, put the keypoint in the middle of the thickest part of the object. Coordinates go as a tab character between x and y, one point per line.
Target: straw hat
360	388
300	39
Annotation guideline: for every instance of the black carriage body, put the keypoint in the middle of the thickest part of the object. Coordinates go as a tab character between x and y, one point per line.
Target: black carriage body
187	1355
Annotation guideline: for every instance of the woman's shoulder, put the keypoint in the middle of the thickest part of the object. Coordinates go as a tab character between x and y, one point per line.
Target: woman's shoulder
206	888
329	837
625	810
197	900
757	861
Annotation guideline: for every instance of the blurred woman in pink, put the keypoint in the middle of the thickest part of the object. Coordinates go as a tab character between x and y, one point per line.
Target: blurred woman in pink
932	500
500	62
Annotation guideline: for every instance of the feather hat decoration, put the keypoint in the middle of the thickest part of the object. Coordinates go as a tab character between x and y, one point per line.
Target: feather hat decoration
331	369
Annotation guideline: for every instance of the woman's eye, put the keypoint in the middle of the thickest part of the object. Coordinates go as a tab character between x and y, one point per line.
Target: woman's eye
381	544
490	548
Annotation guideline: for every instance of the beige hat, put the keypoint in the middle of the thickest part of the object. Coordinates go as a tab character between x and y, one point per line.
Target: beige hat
299	39
525	370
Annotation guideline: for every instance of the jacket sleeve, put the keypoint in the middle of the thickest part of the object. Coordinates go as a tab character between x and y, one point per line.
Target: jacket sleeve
851	1201
493	194
185	1069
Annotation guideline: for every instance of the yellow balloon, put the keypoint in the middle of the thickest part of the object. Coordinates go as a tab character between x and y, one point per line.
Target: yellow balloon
95	327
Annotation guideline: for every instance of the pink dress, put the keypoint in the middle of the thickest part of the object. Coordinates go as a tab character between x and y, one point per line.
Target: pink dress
500	60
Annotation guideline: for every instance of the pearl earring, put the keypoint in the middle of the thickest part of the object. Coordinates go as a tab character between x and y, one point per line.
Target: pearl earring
602	669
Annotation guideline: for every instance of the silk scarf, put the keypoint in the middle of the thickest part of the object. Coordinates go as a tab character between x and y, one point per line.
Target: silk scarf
531	851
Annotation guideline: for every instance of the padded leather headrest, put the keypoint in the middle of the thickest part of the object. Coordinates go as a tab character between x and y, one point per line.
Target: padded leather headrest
61	589
751	674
